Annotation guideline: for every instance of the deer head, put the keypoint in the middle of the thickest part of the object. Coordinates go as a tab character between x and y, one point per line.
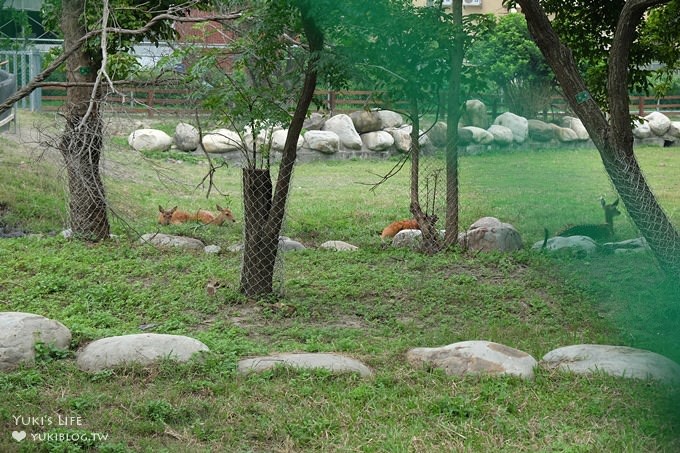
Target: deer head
165	216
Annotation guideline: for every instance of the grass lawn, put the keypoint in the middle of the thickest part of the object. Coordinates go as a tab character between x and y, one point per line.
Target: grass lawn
373	304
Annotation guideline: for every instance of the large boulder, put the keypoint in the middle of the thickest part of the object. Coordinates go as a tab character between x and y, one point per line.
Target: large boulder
388	118
279	140
614	360
186	137
402	138
576	125
334	363
366	121
168	240
149	140
326	142
479	135
343	126
540	131
575	245
475	114
489	233
658	123
475	357
565	134
437	134
222	141
674	130
142	349
338	246
642	130
501	134
19	332
517	124
314	122
377	141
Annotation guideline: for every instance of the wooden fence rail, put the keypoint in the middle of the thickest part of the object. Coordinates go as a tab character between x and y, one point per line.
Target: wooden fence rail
167	100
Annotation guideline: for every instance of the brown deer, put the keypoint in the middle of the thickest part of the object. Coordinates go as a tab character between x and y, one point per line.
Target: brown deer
176	217
599	232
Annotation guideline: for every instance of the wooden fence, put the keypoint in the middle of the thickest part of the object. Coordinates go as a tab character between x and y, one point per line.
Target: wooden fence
174	101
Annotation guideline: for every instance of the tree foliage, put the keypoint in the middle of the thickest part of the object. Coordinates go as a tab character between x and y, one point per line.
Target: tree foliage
508	57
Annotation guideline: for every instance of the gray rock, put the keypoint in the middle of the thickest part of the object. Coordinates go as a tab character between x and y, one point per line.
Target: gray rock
540	131
315	122
338	246
212	249
565	134
149	140
377	141
674	129
479	135
614	360
335	363
642	130
402	138
222	141
288	245
489	233
343	126
517	124
19	332
365	121
143	349
475	357
388	118
235	248
437	134
475	114
576	125
279	140
326	142
168	240
501	135
186	137
659	123
580	245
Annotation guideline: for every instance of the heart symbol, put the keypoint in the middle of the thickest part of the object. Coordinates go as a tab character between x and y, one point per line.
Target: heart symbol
19	435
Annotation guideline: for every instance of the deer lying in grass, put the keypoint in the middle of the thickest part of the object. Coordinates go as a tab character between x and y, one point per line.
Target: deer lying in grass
410	224
601	232
175	217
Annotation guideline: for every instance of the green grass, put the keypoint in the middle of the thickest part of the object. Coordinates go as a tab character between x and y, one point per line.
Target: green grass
373	304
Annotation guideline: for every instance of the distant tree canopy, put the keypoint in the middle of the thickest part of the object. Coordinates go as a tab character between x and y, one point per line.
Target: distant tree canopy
509	59
587	28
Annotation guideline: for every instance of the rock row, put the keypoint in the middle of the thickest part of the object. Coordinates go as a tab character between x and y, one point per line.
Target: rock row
19	333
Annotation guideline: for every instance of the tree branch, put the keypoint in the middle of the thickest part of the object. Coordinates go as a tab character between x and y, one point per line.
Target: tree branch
35	82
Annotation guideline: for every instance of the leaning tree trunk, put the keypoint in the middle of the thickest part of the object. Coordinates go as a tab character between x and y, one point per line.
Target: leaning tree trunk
81	142
613	138
263	212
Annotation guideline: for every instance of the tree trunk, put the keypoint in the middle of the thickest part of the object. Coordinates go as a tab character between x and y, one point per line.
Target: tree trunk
613	138
81	142
263	212
452	118
260	246
426	223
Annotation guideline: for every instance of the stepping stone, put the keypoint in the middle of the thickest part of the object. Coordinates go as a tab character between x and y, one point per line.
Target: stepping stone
335	363
476	357
338	246
19	332
614	360
143	349
168	240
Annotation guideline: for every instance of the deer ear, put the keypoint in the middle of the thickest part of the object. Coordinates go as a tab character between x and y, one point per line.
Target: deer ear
616	203
160	208
173	209
219	208
602	202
